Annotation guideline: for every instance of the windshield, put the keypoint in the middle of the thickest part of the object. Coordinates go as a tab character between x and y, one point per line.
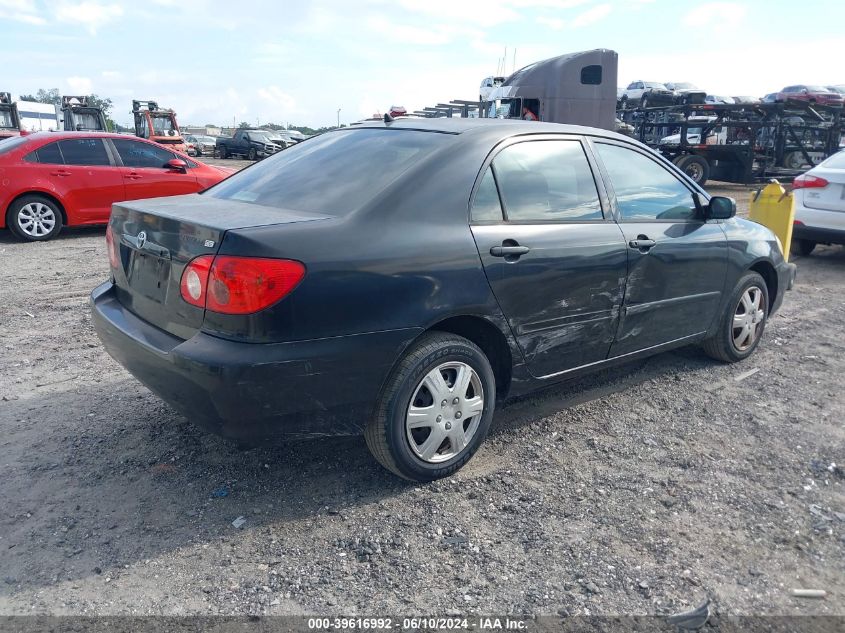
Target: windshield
334	173
683	85
654	84
162	124
86	121
6	119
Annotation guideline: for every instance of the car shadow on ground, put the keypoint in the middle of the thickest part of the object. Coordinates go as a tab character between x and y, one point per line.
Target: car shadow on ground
112	476
68	234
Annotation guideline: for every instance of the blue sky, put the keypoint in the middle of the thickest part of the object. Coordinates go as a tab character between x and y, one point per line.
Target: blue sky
298	62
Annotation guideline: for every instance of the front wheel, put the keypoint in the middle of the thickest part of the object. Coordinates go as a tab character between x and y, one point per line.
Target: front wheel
251	155
222	151
742	324
34	218
436	409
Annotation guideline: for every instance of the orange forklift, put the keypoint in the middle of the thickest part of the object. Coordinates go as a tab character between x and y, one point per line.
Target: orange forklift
157	124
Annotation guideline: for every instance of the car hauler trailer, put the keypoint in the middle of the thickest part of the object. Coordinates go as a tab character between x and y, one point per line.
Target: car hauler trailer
157	124
741	143
10	124
577	88
80	116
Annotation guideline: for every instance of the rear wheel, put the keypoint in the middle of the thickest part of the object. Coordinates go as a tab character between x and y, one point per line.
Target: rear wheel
251	155
742	325
802	247
436	409
34	218
696	167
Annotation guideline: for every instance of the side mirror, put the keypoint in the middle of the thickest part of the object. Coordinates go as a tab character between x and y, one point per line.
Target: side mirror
720	208
177	164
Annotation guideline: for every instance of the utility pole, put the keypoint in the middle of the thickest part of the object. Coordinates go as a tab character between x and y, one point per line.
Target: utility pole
338	117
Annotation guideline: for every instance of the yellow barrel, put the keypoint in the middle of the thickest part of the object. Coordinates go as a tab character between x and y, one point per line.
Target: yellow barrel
774	207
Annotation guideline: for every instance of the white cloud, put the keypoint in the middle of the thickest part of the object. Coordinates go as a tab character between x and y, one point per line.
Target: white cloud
722	14
79	85
553	23
281	100
591	16
90	14
21	11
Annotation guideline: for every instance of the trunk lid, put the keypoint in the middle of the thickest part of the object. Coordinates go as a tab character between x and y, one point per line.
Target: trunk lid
831	197
156	239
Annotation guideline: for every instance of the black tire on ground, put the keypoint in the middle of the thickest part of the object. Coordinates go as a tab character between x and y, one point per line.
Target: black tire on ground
722	345
252	155
221	150
387	435
802	247
34	218
696	167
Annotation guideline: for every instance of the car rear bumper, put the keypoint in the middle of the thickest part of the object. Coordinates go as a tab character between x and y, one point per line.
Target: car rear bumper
249	391
818	234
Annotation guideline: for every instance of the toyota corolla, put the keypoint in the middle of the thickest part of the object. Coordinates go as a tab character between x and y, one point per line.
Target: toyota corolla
400	279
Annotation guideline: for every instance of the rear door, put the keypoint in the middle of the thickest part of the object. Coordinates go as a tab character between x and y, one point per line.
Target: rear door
145	174
90	180
677	262
556	264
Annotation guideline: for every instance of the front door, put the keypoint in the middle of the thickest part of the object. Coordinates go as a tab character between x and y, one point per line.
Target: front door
556	265
677	261
145	174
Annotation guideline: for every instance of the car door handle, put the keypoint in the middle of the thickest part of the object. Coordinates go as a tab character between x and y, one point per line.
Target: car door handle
134	176
60	172
642	243
509	251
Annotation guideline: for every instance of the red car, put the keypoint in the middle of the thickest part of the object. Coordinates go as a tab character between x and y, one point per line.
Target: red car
54	179
813	94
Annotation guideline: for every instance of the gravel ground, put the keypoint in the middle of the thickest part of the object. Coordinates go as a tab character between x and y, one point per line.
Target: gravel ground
639	490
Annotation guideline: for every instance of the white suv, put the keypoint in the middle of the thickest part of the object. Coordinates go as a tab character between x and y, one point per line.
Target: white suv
820	206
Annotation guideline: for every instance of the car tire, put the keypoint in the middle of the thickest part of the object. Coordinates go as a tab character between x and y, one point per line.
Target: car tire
251	154
696	167
198	152
802	247
222	151
741	326
415	404
34	218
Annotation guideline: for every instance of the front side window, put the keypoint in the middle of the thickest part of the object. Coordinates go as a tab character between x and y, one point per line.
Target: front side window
141	155
645	190
84	151
547	181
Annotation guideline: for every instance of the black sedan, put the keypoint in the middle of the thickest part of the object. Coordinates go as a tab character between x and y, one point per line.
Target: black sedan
400	279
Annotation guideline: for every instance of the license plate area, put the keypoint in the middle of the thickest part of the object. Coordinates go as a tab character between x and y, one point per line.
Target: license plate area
148	275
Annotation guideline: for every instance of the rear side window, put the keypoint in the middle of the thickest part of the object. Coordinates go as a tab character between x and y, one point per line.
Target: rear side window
486	206
333	173
547	181
141	155
50	154
11	143
84	151
645	190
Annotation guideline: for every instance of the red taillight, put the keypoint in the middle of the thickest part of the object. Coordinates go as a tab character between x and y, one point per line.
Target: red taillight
111	247
807	181
238	285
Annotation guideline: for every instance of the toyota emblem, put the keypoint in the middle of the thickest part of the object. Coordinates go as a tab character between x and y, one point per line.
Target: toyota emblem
142	239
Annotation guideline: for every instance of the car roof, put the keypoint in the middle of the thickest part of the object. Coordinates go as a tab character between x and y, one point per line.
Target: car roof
507	127
61	135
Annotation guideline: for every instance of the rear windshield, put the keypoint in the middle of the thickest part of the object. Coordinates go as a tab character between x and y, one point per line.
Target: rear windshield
837	161
334	173
11	143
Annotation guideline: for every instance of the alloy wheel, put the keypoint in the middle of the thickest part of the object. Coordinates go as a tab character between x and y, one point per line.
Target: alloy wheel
748	319
36	219
444	412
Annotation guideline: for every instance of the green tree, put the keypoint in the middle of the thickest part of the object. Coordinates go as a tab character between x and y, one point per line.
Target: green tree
244	125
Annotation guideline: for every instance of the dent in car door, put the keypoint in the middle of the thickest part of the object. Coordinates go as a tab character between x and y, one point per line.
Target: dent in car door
555	265
677	262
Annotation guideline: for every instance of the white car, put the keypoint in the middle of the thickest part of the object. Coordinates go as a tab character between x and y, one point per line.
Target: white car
643	92
716	99
820	206
488	85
